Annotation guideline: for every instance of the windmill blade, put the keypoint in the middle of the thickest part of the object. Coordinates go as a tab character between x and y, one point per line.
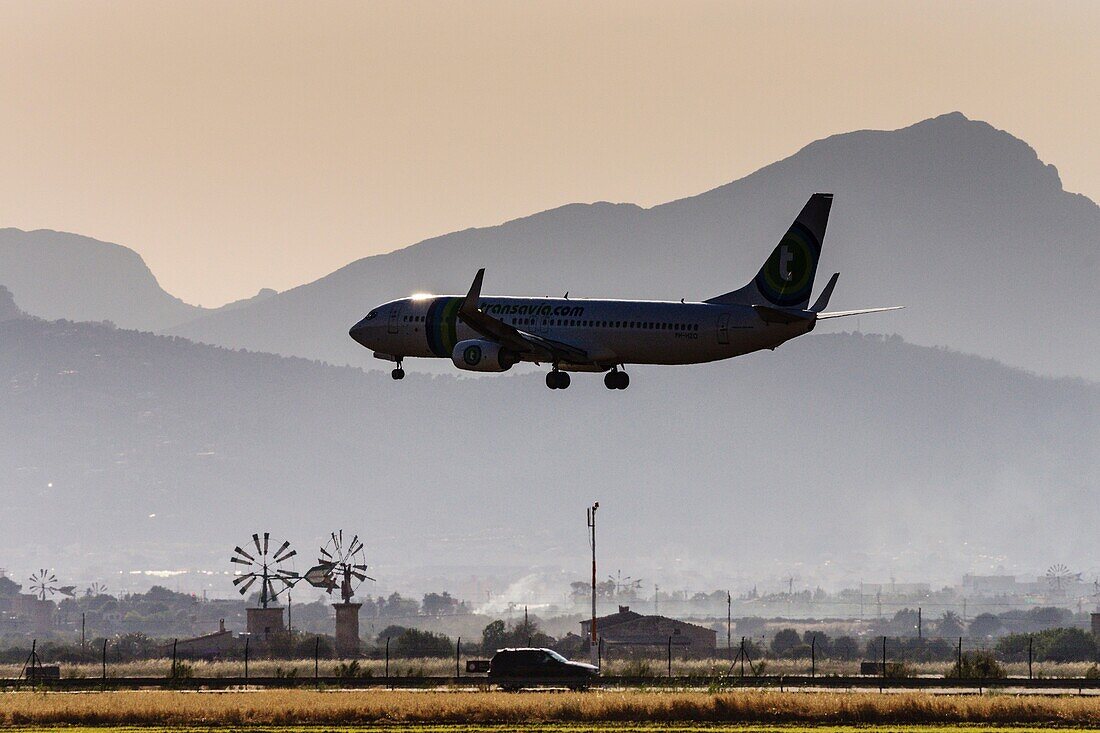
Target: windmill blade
241	578
244	588
289	555
360	567
352	547
335	542
256	541
282	548
326	553
242	552
267	536
240	561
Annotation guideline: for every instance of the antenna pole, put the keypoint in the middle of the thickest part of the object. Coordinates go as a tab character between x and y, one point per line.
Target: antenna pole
729	624
593	643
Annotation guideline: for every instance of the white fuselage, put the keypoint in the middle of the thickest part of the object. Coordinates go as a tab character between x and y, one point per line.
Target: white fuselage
612	332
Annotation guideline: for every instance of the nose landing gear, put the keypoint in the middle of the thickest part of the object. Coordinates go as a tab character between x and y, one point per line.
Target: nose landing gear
557	379
615	379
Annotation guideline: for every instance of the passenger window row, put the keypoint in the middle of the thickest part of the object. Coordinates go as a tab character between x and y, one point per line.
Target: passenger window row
581	323
413	319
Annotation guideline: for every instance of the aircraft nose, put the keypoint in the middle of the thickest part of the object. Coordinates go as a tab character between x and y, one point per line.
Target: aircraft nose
361	333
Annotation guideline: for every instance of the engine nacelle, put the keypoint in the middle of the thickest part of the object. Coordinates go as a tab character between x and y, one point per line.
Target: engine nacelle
479	355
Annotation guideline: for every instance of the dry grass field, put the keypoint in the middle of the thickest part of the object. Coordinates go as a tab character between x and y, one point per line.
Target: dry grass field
540	709
446	667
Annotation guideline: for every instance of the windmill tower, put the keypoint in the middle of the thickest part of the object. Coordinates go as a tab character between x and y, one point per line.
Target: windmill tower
275	577
342	565
1059	578
44	586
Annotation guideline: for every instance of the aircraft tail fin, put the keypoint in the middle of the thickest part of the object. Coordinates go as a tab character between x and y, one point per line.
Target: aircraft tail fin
787	277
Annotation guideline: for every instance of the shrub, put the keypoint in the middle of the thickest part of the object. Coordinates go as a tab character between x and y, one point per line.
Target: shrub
637	668
976	665
785	639
802	651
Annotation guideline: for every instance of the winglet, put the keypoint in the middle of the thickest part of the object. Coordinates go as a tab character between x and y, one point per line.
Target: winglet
823	299
469	305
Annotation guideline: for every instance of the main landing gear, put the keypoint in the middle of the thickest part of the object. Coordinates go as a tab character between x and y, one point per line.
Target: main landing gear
398	372
557	379
615	379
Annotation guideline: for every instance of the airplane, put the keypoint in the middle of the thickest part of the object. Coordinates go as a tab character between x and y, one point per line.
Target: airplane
493	334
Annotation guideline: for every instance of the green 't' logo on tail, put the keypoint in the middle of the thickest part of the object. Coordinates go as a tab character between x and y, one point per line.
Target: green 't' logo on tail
787	277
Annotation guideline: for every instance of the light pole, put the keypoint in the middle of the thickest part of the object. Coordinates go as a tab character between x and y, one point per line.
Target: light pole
593	642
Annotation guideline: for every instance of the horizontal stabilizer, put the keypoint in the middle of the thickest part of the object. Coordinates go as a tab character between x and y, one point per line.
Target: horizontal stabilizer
841	314
778	315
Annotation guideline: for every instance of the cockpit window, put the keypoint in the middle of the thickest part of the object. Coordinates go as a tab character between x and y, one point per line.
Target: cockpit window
372	314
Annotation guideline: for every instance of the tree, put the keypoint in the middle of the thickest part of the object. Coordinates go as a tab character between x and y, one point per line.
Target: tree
950	625
1069	645
397	607
845	647
785	639
413	643
438	604
494	636
818	641
1048	617
497	635
905	622
985	625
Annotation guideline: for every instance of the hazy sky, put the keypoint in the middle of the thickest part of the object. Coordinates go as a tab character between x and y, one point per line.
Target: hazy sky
243	145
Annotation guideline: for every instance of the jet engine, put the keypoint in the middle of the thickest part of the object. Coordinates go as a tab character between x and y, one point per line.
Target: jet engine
480	355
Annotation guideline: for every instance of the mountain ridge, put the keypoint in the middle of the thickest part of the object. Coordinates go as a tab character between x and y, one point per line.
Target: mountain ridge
55	274
917	210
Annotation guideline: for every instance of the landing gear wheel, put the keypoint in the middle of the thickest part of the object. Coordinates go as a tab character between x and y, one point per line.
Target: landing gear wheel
557	380
398	373
616	380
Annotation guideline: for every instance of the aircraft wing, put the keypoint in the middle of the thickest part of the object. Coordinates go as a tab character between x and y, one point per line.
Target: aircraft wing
841	314
537	348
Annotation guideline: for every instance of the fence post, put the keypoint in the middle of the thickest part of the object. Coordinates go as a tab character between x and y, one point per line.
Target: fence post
174	642
458	654
387	657
1029	656
670	656
599	654
104	658
742	657
813	656
960	656
316	658
246	640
